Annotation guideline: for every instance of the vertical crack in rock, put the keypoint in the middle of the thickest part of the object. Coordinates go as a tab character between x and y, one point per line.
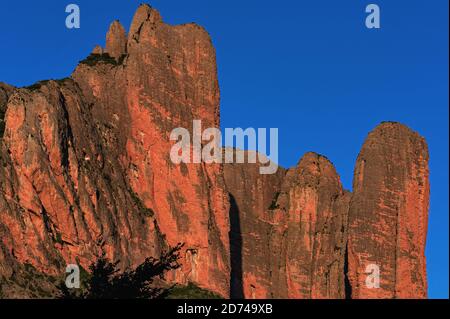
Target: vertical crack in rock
236	275
348	286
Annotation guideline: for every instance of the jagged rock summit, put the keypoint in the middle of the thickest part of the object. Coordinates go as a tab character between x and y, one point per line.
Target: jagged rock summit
116	40
85	167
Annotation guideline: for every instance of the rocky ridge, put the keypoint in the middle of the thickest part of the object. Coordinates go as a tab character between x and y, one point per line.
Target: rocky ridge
85	166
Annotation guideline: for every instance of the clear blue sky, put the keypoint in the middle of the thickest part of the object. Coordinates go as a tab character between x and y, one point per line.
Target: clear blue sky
308	67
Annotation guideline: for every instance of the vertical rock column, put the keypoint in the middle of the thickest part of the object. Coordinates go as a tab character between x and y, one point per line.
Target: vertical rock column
388	215
116	40
315	208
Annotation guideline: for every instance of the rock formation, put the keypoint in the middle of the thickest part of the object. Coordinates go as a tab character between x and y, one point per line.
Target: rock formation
293	229
253	267
316	240
5	91
389	213
85	166
116	40
85	160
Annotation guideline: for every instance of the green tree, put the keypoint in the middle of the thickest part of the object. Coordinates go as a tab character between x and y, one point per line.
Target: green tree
106	281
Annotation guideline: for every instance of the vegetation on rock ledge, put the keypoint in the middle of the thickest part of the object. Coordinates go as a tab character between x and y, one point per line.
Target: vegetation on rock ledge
105	58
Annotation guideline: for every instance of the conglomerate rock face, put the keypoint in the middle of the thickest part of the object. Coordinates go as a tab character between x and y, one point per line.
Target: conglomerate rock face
252	254
85	167
293	230
85	161
389	213
315	207
313	239
116	40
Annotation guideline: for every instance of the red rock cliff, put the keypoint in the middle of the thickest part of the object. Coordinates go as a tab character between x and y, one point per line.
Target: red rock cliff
86	160
316	240
85	164
389	213
293	230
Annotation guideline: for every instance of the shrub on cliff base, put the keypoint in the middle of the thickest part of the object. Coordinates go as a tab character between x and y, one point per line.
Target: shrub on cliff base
107	282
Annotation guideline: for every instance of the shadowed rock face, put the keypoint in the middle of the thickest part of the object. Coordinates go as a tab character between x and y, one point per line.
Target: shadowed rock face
389	213
5	91
252	255
85	166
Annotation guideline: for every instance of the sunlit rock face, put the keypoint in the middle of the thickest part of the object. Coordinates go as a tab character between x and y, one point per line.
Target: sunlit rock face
85	161
292	229
389	214
299	234
85	167
116	41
